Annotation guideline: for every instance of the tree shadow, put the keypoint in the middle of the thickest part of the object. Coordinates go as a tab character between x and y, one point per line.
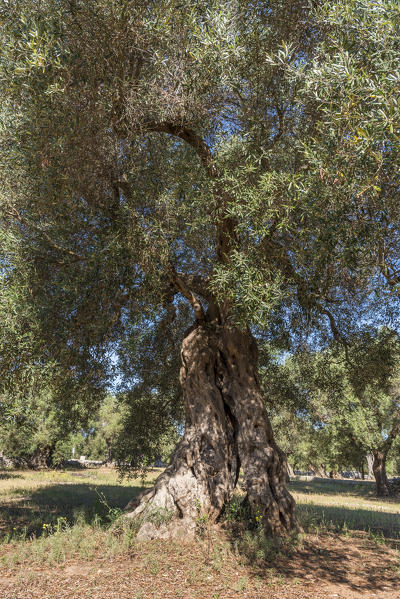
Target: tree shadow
349	559
338	561
329	486
82	502
8	475
342	519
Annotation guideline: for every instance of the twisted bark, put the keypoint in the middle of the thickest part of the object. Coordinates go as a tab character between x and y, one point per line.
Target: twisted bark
226	428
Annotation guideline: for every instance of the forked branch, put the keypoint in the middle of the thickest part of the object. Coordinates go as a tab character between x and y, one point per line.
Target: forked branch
182	288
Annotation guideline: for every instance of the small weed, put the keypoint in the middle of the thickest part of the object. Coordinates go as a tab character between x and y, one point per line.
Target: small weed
241	584
203	528
152	565
237	510
345	530
259	547
218	558
201	520
233	510
377	537
113	513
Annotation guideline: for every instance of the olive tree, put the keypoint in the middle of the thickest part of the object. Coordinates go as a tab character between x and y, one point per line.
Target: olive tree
171	167
354	399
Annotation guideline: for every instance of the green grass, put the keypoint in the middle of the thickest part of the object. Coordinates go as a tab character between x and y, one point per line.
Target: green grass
345	506
31	502
50	516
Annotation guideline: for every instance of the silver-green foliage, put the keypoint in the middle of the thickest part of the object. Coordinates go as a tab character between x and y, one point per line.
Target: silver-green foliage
247	150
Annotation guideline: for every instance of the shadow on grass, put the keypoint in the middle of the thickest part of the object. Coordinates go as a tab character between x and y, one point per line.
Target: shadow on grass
8	475
329	486
81	501
341	519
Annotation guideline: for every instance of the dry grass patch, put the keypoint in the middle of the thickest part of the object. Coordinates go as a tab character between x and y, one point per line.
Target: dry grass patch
345	506
32	503
325	566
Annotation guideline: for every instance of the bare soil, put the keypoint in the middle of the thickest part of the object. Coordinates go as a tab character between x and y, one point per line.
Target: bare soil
326	566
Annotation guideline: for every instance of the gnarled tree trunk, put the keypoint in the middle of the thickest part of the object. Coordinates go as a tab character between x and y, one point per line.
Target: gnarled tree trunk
379	468
226	428
42	458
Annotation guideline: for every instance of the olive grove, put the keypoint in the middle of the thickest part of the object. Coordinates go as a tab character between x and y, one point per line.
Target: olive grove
196	173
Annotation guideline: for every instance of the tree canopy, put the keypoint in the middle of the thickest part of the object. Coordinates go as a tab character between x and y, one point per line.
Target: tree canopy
221	143
228	162
336	407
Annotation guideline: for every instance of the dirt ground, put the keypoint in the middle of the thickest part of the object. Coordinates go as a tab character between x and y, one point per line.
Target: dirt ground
326	566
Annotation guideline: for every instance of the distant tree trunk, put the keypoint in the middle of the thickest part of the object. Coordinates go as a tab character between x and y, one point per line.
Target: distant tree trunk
379	468
226	428
370	464
362	471
108	459
290	471
43	457
319	471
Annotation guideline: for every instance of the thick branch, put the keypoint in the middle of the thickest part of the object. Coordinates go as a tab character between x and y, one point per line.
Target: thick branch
189	136
337	335
225	226
182	288
198	284
187	284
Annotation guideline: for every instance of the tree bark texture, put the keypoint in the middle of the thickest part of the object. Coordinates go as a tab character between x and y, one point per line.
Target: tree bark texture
370	464
226	428
379	468
42	458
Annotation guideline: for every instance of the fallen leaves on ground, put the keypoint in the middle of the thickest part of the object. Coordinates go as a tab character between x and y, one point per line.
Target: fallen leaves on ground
325	567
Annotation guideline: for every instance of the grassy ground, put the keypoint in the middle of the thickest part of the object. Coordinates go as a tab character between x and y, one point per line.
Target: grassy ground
30	501
64	527
344	505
